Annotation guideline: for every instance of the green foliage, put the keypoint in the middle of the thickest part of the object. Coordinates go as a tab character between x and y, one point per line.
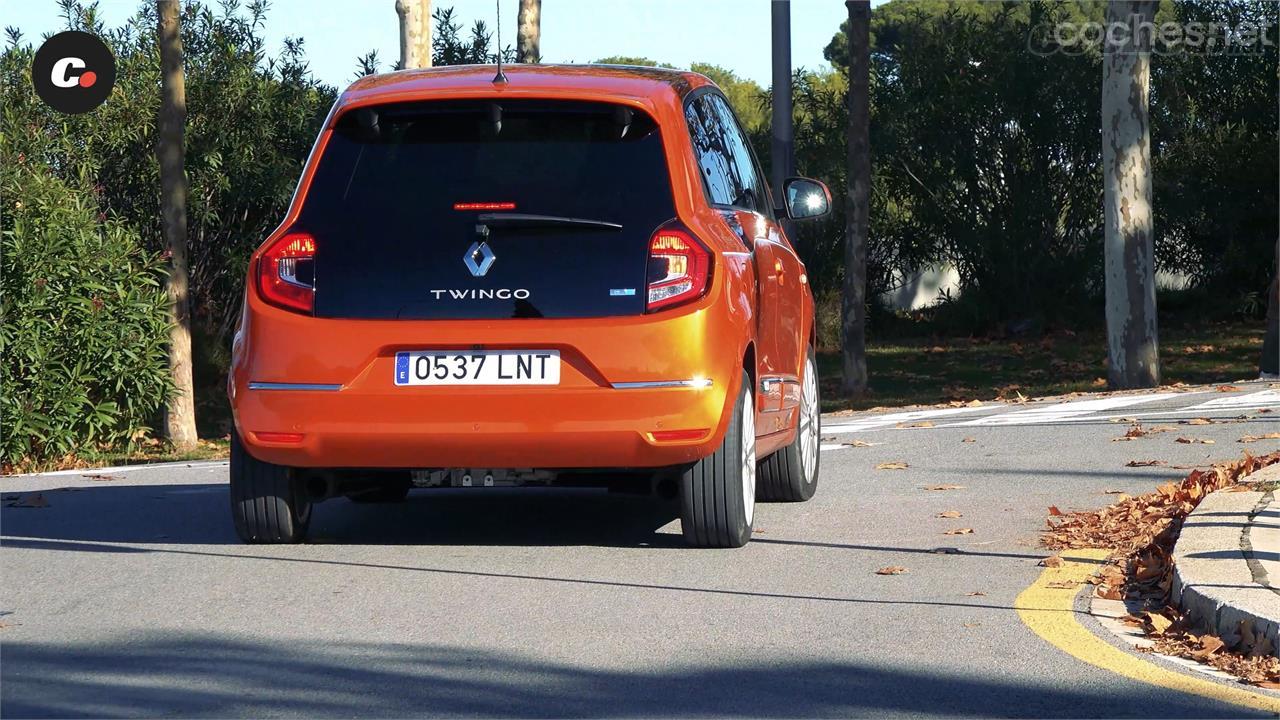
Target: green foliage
1214	150
987	155
84	335
991	159
251	120
449	48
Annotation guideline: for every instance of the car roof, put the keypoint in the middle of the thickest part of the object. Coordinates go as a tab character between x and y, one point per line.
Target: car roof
647	85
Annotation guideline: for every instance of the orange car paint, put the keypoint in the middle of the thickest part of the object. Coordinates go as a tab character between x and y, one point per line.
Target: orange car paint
764	328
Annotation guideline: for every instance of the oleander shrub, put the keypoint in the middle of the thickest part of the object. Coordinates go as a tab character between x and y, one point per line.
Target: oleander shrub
85	328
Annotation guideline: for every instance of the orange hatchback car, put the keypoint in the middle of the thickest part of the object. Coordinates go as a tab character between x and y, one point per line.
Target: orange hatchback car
568	275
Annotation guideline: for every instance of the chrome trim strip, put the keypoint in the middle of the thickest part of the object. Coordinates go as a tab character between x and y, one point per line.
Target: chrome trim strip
651	384
294	386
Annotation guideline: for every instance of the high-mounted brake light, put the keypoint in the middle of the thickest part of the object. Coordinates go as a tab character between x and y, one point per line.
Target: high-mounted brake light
286	272
484	206
679	268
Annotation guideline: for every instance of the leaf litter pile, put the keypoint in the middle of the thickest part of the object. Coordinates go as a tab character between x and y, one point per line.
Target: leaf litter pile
1141	532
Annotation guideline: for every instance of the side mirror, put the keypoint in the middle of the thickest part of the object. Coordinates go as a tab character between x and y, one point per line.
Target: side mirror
805	198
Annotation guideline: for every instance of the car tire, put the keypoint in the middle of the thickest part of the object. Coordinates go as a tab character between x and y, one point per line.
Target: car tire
791	473
717	493
268	502
392	492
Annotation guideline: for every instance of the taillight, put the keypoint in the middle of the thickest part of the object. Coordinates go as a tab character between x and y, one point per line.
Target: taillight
679	268
286	272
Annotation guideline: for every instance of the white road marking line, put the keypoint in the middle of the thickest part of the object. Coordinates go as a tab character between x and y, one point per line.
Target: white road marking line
1258	399
831	446
1184	412
127	468
1063	412
878	421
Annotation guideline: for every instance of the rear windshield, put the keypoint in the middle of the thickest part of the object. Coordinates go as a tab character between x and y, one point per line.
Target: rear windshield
396	196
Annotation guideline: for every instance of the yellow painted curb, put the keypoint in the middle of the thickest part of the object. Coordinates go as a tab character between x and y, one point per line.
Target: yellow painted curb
1049	612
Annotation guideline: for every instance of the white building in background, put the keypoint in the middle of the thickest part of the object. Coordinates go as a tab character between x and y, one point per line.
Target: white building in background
925	287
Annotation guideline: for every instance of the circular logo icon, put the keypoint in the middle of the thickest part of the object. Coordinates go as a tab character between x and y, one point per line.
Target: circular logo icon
73	72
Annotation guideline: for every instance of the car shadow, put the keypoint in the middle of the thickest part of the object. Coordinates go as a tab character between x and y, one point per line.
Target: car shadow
200	514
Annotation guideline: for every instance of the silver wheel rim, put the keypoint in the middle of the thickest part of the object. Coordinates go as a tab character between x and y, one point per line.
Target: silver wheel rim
809	424
748	457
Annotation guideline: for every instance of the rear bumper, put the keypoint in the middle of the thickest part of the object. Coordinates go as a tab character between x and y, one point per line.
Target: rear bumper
533	427
603	414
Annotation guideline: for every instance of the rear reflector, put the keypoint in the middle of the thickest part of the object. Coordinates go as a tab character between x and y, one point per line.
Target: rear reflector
286	272
677	435
279	437
679	268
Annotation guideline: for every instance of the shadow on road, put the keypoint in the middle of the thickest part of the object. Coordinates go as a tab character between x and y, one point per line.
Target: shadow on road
200	514
212	675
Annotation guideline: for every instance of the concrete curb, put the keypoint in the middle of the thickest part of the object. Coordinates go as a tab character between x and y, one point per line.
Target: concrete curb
1227	562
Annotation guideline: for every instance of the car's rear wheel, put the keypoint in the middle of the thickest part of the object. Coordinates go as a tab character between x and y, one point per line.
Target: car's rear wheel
791	473
268	502
718	493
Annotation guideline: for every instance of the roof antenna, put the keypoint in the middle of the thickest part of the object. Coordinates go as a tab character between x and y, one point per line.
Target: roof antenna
500	77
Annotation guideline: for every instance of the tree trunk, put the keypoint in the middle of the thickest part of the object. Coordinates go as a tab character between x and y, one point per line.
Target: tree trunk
1270	365
529	32
180	415
1132	344
782	151
858	204
415	33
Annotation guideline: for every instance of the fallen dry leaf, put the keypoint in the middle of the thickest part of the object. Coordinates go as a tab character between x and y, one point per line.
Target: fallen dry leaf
103	478
1192	441
891	570
944	487
1052	561
1210	645
1268	685
1196	421
1063	584
974	403
921	424
969	440
1053	510
1256	438
896	465
949	514
976	593
1144	463
1113	491
1227	388
959	531
857	443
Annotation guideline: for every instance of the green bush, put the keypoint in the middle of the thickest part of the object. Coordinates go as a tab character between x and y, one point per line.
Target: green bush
84	333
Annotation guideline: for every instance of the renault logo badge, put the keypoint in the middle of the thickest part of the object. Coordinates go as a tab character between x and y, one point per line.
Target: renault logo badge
479	258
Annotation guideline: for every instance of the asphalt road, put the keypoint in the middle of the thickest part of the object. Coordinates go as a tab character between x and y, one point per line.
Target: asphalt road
130	595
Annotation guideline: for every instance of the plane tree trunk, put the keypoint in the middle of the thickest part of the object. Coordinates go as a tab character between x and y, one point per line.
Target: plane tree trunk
1133	352
529	32
180	413
858	201
415	33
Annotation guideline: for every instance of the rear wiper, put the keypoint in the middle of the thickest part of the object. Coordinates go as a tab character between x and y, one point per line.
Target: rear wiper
542	221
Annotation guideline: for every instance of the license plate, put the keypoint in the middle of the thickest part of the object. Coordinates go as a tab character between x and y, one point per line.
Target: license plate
481	367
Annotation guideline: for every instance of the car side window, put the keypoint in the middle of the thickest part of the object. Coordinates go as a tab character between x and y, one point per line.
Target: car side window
724	158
